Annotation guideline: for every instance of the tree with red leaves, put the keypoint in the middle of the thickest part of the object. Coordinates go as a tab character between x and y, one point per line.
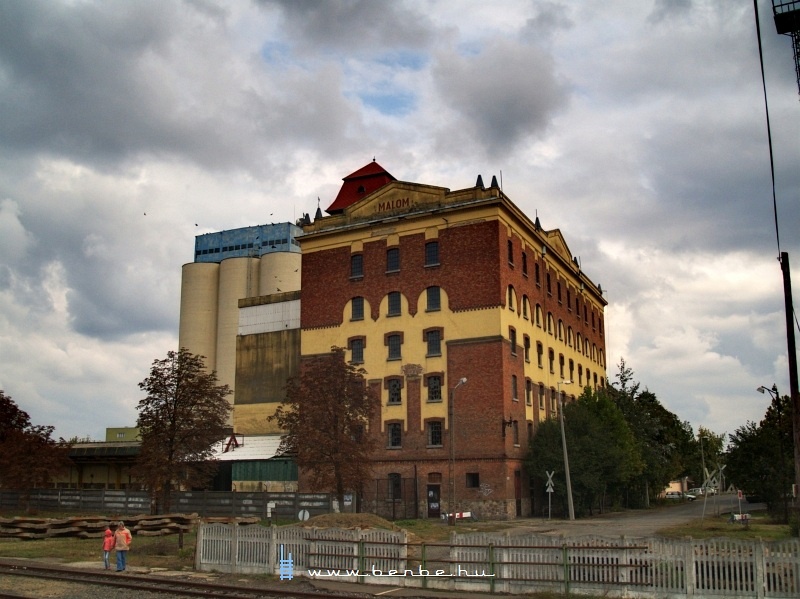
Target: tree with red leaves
29	456
325	416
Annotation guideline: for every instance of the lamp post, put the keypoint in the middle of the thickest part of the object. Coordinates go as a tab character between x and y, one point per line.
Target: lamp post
777	399
451	520
564	444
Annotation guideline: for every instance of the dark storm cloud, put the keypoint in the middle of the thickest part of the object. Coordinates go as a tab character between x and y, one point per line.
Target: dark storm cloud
353	25
104	86
504	94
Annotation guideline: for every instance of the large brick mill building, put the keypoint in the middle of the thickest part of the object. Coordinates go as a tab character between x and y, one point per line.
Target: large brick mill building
425	287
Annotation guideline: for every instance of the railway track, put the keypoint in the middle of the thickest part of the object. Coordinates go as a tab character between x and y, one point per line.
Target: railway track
154	584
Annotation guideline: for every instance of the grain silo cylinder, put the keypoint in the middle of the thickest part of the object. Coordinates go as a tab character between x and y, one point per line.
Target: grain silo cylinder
238	278
280	272
197	330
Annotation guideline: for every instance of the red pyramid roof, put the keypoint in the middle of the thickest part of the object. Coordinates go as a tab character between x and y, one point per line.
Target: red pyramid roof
359	184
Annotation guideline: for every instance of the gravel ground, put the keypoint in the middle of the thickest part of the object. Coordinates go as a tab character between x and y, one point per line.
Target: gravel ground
36	587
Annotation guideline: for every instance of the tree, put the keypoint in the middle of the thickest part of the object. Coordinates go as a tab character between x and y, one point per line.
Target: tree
663	441
184	414
325	416
602	453
760	457
29	456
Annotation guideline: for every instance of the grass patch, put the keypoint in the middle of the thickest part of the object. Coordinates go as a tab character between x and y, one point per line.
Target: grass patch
759	527
150	552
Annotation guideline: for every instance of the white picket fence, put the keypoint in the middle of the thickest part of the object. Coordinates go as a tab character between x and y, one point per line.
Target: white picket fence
643	567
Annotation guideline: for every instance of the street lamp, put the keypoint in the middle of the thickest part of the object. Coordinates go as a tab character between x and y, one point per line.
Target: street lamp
777	399
451	520
564	443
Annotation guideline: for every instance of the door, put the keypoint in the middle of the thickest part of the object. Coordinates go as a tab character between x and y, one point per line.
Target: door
434	507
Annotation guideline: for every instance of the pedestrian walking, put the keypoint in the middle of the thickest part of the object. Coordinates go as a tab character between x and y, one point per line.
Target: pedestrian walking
108	545
122	543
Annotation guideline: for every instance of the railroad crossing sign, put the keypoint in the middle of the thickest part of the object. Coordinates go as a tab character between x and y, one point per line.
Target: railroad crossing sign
549	489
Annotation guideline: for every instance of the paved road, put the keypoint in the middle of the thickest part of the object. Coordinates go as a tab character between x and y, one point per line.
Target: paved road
636	523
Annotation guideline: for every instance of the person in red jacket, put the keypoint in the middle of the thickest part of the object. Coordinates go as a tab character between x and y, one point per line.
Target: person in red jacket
122	543
108	545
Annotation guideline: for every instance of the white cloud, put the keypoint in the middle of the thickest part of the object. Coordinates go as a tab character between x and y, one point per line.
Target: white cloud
636	128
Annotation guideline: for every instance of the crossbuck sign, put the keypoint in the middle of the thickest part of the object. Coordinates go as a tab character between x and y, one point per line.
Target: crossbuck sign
549	489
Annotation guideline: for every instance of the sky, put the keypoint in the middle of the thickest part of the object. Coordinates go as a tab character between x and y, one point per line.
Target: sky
637	127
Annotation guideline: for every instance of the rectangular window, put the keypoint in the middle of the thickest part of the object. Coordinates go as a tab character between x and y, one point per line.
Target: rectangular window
395	487
434	343
527	344
512	337
473	480
510	253
356	266
561	365
392	259
435	433
432	253
515	428
394	303
395	432
395	343
514	395
434	299
434	388
529	392
358	308
539	354
395	391
357	351
541	397
552	359
524	264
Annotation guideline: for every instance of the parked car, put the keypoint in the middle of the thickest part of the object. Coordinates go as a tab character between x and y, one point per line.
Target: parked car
678	496
697	491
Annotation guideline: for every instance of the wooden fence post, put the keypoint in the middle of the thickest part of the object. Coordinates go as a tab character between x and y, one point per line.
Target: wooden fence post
689	571
198	550
760	566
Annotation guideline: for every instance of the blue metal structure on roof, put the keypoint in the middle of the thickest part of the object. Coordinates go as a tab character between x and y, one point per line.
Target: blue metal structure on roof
247	241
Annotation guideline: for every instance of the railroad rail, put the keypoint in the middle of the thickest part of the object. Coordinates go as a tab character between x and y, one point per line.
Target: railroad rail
154	584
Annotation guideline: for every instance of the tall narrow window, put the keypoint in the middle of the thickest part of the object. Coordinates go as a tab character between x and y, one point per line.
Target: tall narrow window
395	389
395	487
434	342
551	356
515	428
435	388
434	299
358	308
539	354
356	266
392	259
394	303
541	397
510	252
435	433
526	341
549	289
514	395
524	264
536	278
529	392
395	431
394	342
432	253
512	338
357	350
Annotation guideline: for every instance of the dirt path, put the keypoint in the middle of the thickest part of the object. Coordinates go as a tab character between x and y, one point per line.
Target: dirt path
634	523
